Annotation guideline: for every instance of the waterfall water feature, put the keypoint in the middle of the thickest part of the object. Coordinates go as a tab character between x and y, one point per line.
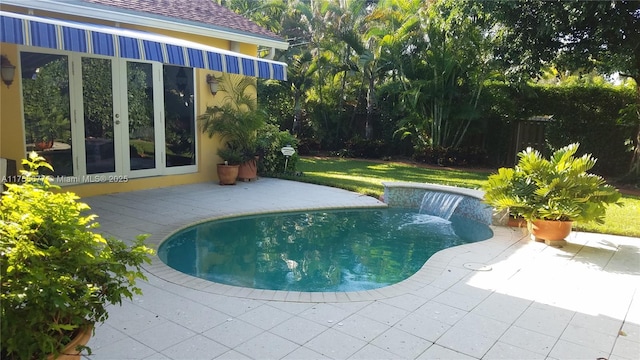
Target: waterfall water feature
441	204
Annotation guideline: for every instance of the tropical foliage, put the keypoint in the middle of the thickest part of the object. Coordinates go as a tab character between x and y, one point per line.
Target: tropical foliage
57	274
558	188
412	70
236	120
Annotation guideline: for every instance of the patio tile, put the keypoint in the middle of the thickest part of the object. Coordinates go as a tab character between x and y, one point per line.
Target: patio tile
427	292
502	307
383	313
369	352
407	302
124	349
566	350
335	344
626	348
266	346
196	347
422	326
603	324
233	333
265	317
325	314
292	308
482	325
185	312
631	331
232	355
133	319
401	343
157	356
437	352
589	338
234	306
104	335
351	307
509	352
466	342
298	330
450	276
302	353
361	327
164	335
529	340
441	312
545	319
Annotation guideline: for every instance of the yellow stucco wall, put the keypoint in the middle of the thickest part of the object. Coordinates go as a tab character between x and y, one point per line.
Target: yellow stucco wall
12	144
11	128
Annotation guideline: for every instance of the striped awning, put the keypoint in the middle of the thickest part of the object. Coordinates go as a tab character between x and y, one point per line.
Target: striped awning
131	44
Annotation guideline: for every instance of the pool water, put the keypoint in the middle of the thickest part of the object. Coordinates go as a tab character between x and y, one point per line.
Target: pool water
340	250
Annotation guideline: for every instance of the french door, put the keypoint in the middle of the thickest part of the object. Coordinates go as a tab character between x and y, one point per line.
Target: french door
101	119
120	119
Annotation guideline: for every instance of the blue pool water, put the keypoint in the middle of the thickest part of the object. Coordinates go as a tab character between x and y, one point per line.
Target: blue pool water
339	250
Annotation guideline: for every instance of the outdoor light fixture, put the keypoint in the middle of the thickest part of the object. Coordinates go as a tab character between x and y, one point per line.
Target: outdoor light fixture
7	70
213	84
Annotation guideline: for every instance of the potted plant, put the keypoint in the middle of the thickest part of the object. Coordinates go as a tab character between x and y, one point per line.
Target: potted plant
550	194
236	120
58	276
228	170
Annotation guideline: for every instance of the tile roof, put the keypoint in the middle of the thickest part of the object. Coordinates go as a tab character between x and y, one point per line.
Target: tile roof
204	12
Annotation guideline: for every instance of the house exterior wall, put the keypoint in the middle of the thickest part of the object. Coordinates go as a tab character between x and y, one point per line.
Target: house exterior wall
12	136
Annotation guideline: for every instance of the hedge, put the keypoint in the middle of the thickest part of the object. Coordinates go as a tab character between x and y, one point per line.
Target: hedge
589	115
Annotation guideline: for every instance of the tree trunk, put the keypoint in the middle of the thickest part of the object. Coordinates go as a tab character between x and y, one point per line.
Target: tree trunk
634	169
368	129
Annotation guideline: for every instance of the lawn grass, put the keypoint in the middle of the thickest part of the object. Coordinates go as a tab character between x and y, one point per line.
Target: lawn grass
366	177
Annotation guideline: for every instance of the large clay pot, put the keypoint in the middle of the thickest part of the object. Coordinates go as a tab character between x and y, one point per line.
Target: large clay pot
552	232
70	352
227	174
248	170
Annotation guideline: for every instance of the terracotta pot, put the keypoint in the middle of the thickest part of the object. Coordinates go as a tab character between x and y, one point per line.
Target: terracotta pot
70	352
44	144
227	174
550	230
248	170
516	222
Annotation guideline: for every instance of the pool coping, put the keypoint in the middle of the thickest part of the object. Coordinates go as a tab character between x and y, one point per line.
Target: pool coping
473	193
433	268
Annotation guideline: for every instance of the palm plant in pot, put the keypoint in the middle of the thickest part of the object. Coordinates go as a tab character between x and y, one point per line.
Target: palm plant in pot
58	276
551	194
236	120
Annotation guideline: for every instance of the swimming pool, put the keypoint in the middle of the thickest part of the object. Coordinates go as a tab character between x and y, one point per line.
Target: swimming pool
316	251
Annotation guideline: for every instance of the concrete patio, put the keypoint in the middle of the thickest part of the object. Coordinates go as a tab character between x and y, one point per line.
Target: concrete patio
504	298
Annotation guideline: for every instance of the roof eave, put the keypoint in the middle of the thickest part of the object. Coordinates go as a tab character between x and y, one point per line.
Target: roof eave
118	17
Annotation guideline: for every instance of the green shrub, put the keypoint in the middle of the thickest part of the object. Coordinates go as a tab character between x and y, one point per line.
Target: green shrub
367	148
590	115
56	273
558	188
464	156
270	142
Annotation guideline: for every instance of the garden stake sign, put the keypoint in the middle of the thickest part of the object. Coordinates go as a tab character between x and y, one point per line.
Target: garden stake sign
287	151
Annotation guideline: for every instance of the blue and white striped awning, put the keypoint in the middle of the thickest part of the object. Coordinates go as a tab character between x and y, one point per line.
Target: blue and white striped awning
131	44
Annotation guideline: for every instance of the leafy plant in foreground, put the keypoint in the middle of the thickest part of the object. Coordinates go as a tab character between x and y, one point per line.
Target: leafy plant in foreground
57	274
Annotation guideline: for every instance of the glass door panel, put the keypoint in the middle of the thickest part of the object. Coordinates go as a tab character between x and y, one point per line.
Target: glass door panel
142	148
45	90
179	116
97	96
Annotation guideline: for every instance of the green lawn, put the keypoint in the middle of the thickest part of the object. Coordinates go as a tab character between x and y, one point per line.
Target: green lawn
366	177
